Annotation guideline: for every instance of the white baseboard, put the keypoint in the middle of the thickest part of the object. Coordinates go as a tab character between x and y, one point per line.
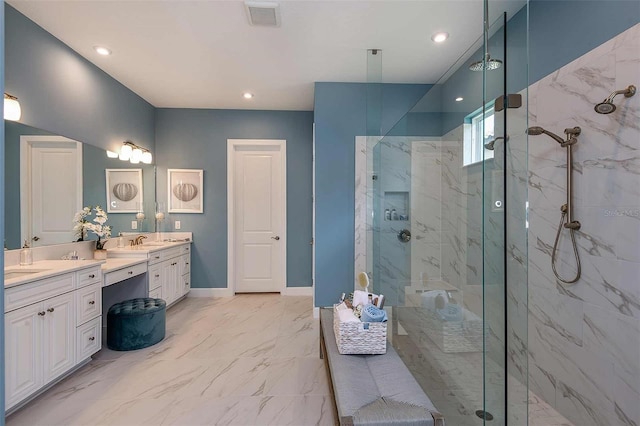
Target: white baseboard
297	291
316	313
210	292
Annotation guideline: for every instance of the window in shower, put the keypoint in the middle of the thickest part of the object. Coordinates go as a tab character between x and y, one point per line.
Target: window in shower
478	131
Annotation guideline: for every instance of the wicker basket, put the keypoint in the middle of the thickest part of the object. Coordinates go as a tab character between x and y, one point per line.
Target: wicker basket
364	338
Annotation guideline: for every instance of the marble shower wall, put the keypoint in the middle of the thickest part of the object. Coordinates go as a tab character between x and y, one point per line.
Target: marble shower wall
584	339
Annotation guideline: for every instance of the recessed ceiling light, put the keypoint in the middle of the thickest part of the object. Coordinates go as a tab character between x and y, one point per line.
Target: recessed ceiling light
247	95
440	37
459	99
102	50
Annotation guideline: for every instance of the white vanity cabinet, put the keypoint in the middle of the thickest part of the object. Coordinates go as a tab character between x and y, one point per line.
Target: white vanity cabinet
42	333
166	273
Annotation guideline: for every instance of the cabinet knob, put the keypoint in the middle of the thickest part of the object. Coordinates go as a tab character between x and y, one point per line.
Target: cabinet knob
92	338
157	275
186	284
92	302
42	313
50	310
92	276
186	263
130	272
156	257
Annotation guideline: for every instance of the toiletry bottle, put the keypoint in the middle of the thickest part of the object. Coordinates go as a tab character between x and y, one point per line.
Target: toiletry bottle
387	214
26	257
394	214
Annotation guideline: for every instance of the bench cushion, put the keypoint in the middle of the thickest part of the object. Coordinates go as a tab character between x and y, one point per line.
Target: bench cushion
373	389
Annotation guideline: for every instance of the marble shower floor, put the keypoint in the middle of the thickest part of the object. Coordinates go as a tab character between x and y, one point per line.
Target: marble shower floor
454	382
245	360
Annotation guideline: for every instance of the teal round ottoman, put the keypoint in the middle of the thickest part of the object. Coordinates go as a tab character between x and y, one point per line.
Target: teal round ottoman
136	324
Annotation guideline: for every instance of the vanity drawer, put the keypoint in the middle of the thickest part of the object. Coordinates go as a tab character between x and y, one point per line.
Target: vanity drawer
27	294
186	283
185	266
162	255
156	293
88	303
155	277
125	273
89	276
88	339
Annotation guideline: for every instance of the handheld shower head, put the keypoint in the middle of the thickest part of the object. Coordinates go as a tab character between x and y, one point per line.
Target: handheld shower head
537	130
607	106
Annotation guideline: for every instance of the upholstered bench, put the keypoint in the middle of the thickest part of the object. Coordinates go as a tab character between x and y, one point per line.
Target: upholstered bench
374	389
136	324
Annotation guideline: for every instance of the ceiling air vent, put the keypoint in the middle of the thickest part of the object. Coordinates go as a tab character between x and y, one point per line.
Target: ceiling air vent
265	14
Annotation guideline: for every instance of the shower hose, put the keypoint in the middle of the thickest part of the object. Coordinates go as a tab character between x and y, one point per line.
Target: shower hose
575	252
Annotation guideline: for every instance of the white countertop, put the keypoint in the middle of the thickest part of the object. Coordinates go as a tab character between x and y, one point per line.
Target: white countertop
147	248
46	269
112	264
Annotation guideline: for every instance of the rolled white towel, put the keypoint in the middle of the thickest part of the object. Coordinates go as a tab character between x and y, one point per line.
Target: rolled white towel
347	315
429	299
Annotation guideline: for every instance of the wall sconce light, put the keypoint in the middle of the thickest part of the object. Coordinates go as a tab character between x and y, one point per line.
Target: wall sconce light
133	153
12	109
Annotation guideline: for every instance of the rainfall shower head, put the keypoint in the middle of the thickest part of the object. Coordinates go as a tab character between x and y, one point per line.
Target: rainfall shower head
488	64
607	106
536	130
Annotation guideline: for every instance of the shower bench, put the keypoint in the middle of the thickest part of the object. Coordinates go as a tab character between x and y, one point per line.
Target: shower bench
374	389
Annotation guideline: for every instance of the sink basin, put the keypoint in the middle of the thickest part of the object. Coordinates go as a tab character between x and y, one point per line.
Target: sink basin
153	244
21	273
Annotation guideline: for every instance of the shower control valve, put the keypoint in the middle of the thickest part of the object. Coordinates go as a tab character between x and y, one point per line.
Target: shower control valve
575	225
573	131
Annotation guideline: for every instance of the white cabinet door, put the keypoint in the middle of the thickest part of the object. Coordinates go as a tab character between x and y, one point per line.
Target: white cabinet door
59	342
23	353
168	281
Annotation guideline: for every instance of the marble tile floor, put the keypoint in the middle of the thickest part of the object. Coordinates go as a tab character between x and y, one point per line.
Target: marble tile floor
246	360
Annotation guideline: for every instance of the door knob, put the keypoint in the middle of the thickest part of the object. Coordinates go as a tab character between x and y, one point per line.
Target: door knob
276	238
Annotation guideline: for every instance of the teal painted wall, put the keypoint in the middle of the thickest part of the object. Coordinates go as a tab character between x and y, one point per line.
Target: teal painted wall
63	93
197	139
340	114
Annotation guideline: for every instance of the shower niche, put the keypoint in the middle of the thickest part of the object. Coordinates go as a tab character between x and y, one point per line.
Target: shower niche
395	206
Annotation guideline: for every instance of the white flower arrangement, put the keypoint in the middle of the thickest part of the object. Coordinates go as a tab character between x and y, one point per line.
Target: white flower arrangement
82	225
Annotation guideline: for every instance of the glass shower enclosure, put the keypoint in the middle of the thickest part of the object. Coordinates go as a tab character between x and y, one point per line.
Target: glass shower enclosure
442	218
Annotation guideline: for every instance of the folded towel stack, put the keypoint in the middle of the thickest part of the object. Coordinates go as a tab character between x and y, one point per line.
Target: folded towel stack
372	314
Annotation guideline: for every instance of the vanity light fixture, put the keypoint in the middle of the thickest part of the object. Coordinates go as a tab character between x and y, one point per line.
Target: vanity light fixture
247	95
12	110
440	37
101	50
459	99
125	151
133	153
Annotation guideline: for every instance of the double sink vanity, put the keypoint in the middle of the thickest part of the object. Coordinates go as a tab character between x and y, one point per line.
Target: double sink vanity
54	308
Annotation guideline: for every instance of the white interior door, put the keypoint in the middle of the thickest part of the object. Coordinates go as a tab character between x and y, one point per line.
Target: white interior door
50	188
259	188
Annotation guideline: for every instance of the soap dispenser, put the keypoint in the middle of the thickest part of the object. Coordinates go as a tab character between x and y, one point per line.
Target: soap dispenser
26	257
